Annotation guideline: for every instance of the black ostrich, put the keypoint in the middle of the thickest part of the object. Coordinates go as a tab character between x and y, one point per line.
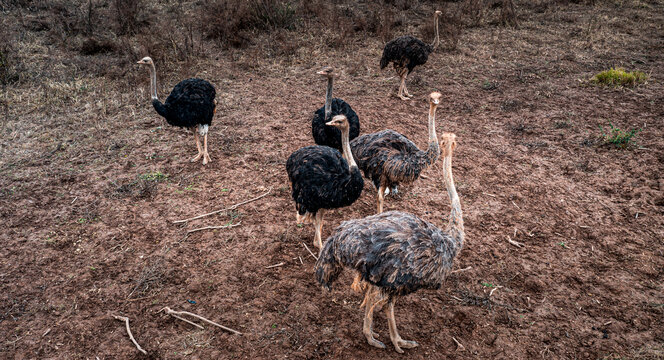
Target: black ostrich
407	52
328	135
191	104
394	254
388	158
323	179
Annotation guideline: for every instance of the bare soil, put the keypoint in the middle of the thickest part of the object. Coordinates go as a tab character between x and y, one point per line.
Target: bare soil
87	232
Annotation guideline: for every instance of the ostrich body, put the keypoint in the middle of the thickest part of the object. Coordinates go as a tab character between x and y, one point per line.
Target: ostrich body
322	178
394	254
407	52
329	135
191	105
388	158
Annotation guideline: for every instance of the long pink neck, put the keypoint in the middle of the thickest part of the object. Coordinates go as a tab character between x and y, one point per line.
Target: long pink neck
345	146
455	225
436	41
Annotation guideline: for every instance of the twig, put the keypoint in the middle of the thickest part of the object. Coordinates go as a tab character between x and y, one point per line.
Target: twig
224	209
126	320
494	289
175	313
312	254
460	270
487	194
517	206
214	227
461	347
301	262
456	298
275	265
515	243
46	332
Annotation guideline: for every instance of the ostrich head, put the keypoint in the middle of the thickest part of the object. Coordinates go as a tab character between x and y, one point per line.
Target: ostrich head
145	61
434	98
439	13
340	122
448	142
327	71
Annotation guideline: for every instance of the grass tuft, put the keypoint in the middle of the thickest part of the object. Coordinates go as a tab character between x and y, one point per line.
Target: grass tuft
619	77
617	137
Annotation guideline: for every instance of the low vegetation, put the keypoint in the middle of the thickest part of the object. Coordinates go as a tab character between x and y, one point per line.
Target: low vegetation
617	137
619	77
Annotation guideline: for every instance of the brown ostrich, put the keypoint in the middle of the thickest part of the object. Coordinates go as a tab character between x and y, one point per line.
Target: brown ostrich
407	52
388	158
394	254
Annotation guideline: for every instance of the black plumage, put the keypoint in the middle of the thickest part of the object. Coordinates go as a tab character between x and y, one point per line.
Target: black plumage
329	135
407	52
389	159
394	254
321	178
191	104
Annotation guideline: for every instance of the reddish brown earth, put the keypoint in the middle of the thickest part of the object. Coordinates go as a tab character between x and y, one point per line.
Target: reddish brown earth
84	237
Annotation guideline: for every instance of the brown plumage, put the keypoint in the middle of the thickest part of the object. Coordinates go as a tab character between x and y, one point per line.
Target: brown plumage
394	254
388	158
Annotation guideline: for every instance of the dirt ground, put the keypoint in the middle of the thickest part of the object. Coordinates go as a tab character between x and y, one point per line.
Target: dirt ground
91	180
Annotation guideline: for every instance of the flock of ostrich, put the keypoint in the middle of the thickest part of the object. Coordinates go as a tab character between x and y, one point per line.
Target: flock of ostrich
391	253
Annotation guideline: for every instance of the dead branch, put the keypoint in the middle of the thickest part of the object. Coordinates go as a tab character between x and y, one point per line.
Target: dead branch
214	227
461	270
515	243
275	265
494	289
224	209
460	347
126	320
312	254
177	314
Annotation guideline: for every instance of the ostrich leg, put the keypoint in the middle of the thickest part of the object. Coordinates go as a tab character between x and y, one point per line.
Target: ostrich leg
198	145
394	334
372	298
405	88
381	197
206	156
318	224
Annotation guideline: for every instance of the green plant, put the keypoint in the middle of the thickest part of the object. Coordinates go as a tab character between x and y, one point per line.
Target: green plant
154	176
489	285
617	137
619	77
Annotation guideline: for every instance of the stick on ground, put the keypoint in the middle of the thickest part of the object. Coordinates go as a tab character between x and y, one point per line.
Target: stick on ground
461	270
515	243
126	320
312	254
224	209
177	314
214	227
460	347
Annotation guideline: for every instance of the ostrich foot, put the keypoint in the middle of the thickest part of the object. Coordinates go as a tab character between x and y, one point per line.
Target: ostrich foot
206	158
372	341
404	97
407	344
198	157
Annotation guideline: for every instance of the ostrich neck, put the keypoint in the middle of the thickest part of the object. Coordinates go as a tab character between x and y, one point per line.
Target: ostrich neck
153	82
345	146
433	151
455	224
328	99
436	41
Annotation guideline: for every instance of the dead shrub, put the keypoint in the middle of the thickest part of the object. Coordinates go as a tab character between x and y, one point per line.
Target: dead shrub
508	13
234	23
93	46
127	15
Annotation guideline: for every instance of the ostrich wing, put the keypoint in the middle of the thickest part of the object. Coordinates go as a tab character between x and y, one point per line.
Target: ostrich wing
395	251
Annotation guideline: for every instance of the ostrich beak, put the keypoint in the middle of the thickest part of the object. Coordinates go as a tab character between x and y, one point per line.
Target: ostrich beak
330	123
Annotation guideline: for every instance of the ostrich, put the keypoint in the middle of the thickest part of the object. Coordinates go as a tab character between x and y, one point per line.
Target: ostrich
394	254
323	179
388	158
407	52
328	135
191	104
